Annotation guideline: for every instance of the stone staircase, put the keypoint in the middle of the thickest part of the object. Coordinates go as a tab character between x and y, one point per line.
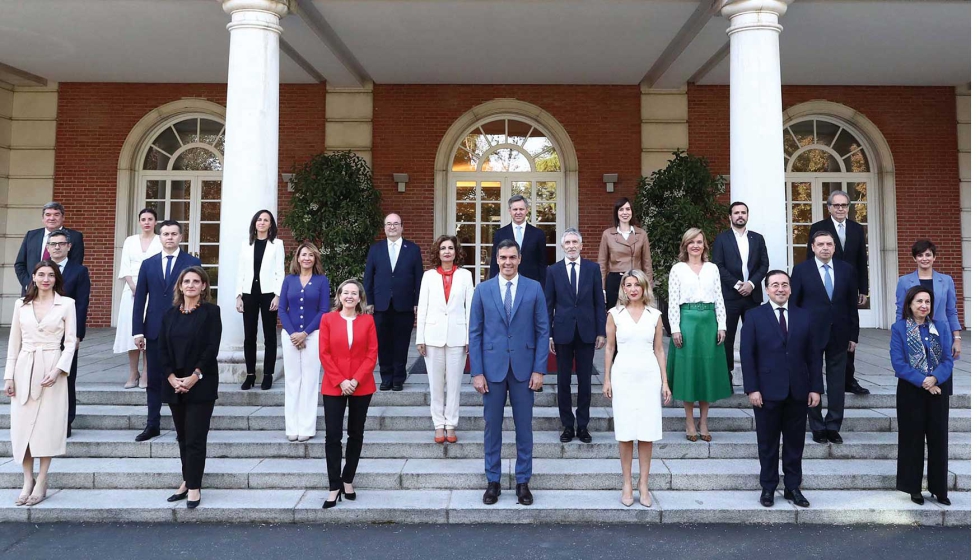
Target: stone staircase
254	475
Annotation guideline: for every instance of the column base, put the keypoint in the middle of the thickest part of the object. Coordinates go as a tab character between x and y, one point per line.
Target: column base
231	366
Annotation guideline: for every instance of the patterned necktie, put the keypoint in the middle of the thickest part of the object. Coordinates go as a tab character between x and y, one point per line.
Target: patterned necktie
170	268
392	256
782	321
508	301
574	282
828	283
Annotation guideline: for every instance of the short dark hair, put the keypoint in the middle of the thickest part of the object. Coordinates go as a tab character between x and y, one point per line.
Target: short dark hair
910	295
820	233
923	245
53	206
737	203
775	272
620	202
253	232
518	198
434	259
59	233
507	244
150	211
166	223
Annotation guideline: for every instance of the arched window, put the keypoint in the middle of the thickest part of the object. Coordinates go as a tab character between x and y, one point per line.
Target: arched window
499	158
181	180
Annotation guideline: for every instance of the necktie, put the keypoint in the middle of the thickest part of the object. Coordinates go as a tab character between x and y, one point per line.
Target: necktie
46	255
574	282
508	301
170	268
519	235
392	256
828	283
840	234
782	321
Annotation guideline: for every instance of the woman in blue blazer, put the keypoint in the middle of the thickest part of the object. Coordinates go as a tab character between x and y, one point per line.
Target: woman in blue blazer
941	285
923	363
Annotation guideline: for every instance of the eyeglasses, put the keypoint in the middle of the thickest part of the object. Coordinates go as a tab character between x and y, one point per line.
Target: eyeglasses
57	244
839	206
392	224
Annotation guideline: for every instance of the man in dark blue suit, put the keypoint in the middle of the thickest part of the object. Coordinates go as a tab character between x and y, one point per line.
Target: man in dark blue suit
781	376
743	262
155	292
828	289
34	247
530	240
392	278
576	313
508	356
78	286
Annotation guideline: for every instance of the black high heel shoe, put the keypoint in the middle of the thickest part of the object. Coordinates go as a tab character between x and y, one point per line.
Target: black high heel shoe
249	381
266	381
918	499
176	497
327	504
349	495
944	500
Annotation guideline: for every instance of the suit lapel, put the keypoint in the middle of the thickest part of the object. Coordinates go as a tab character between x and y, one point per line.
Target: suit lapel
733	244
819	276
771	313
521	288
494	288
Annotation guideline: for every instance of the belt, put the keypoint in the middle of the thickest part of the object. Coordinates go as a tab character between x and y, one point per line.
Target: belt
699	306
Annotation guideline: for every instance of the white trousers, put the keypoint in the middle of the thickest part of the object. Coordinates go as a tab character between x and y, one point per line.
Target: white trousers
444	365
301	368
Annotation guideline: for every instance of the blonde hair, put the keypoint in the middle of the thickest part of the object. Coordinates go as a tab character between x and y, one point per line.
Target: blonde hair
644	282
205	291
688	237
361	306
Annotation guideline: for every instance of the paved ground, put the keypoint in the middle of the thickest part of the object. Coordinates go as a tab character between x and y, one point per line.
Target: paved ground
541	542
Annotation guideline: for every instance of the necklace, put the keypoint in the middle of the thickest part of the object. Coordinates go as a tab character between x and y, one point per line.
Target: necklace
189	311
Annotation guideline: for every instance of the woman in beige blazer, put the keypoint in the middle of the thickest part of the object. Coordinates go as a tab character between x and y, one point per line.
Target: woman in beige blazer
623	247
36	378
443	331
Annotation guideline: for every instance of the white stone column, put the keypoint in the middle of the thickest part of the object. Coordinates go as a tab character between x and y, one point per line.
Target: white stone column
757	164
251	166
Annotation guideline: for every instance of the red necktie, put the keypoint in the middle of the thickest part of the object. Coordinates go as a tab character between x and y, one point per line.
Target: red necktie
46	256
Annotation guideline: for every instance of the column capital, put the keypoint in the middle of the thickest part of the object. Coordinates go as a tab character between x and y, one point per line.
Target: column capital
754	14
255	14
277	7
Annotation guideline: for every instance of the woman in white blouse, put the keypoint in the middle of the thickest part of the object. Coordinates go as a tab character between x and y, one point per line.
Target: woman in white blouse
135	250
697	370
261	269
442	336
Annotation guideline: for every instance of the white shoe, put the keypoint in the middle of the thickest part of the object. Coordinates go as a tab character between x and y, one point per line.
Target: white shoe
291	438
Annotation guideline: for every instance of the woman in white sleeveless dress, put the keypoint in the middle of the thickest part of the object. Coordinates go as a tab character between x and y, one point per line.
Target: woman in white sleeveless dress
637	380
136	249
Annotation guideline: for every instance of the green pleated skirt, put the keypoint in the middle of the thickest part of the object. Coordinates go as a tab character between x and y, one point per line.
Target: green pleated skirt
698	371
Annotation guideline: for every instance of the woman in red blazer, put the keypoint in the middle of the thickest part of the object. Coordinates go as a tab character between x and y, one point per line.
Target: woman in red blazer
348	352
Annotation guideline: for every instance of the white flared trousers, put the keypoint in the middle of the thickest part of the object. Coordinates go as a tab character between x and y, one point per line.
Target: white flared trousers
444	365
301	369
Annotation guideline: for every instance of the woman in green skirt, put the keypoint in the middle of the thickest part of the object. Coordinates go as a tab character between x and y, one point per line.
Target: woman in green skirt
697	369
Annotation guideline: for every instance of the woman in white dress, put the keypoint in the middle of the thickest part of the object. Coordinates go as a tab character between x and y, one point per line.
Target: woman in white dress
637	380
136	249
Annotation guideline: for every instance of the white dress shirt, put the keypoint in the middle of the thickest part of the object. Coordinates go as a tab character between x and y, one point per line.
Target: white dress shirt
841	229
61	265
350	330
684	286
776	308
742	240
44	243
578	271
625	234
503	288
820	269
163	257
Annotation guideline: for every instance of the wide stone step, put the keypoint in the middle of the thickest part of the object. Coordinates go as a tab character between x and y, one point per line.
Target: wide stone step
417	418
417	394
884	507
419	445
452	474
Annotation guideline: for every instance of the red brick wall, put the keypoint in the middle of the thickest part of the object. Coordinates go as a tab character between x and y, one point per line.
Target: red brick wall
93	122
919	124
411	120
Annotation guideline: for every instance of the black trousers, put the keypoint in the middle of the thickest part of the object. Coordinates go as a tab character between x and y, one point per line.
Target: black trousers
72	375
582	354
835	359
735	310
394	335
154	384
849	370
787	418
255	304
612	288
922	417
192	422
333	413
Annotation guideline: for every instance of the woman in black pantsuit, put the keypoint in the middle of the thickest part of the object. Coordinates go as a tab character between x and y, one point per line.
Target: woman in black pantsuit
921	354
189	341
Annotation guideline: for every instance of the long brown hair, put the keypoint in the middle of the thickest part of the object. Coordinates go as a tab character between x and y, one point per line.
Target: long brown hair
59	282
205	291
295	268
434	259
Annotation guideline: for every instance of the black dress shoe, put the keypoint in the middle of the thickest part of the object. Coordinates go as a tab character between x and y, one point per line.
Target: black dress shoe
834	437
820	436
385	386
191	504
178	497
944	500
856	388
796	497
766	498
397	386
492	493
566	435
584	436
327	504
148	433
524	496
266	381
918	499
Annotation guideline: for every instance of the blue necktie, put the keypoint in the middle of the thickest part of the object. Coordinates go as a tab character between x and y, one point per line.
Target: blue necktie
508	301
170	268
519	237
574	282
828	283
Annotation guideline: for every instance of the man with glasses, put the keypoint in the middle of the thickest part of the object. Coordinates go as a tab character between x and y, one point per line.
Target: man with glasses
392	279
34	248
850	247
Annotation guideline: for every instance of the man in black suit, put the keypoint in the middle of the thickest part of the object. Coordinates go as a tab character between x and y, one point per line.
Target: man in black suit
392	279
828	289
34	247
850	247
781	376
78	286
743	262
531	240
576	314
